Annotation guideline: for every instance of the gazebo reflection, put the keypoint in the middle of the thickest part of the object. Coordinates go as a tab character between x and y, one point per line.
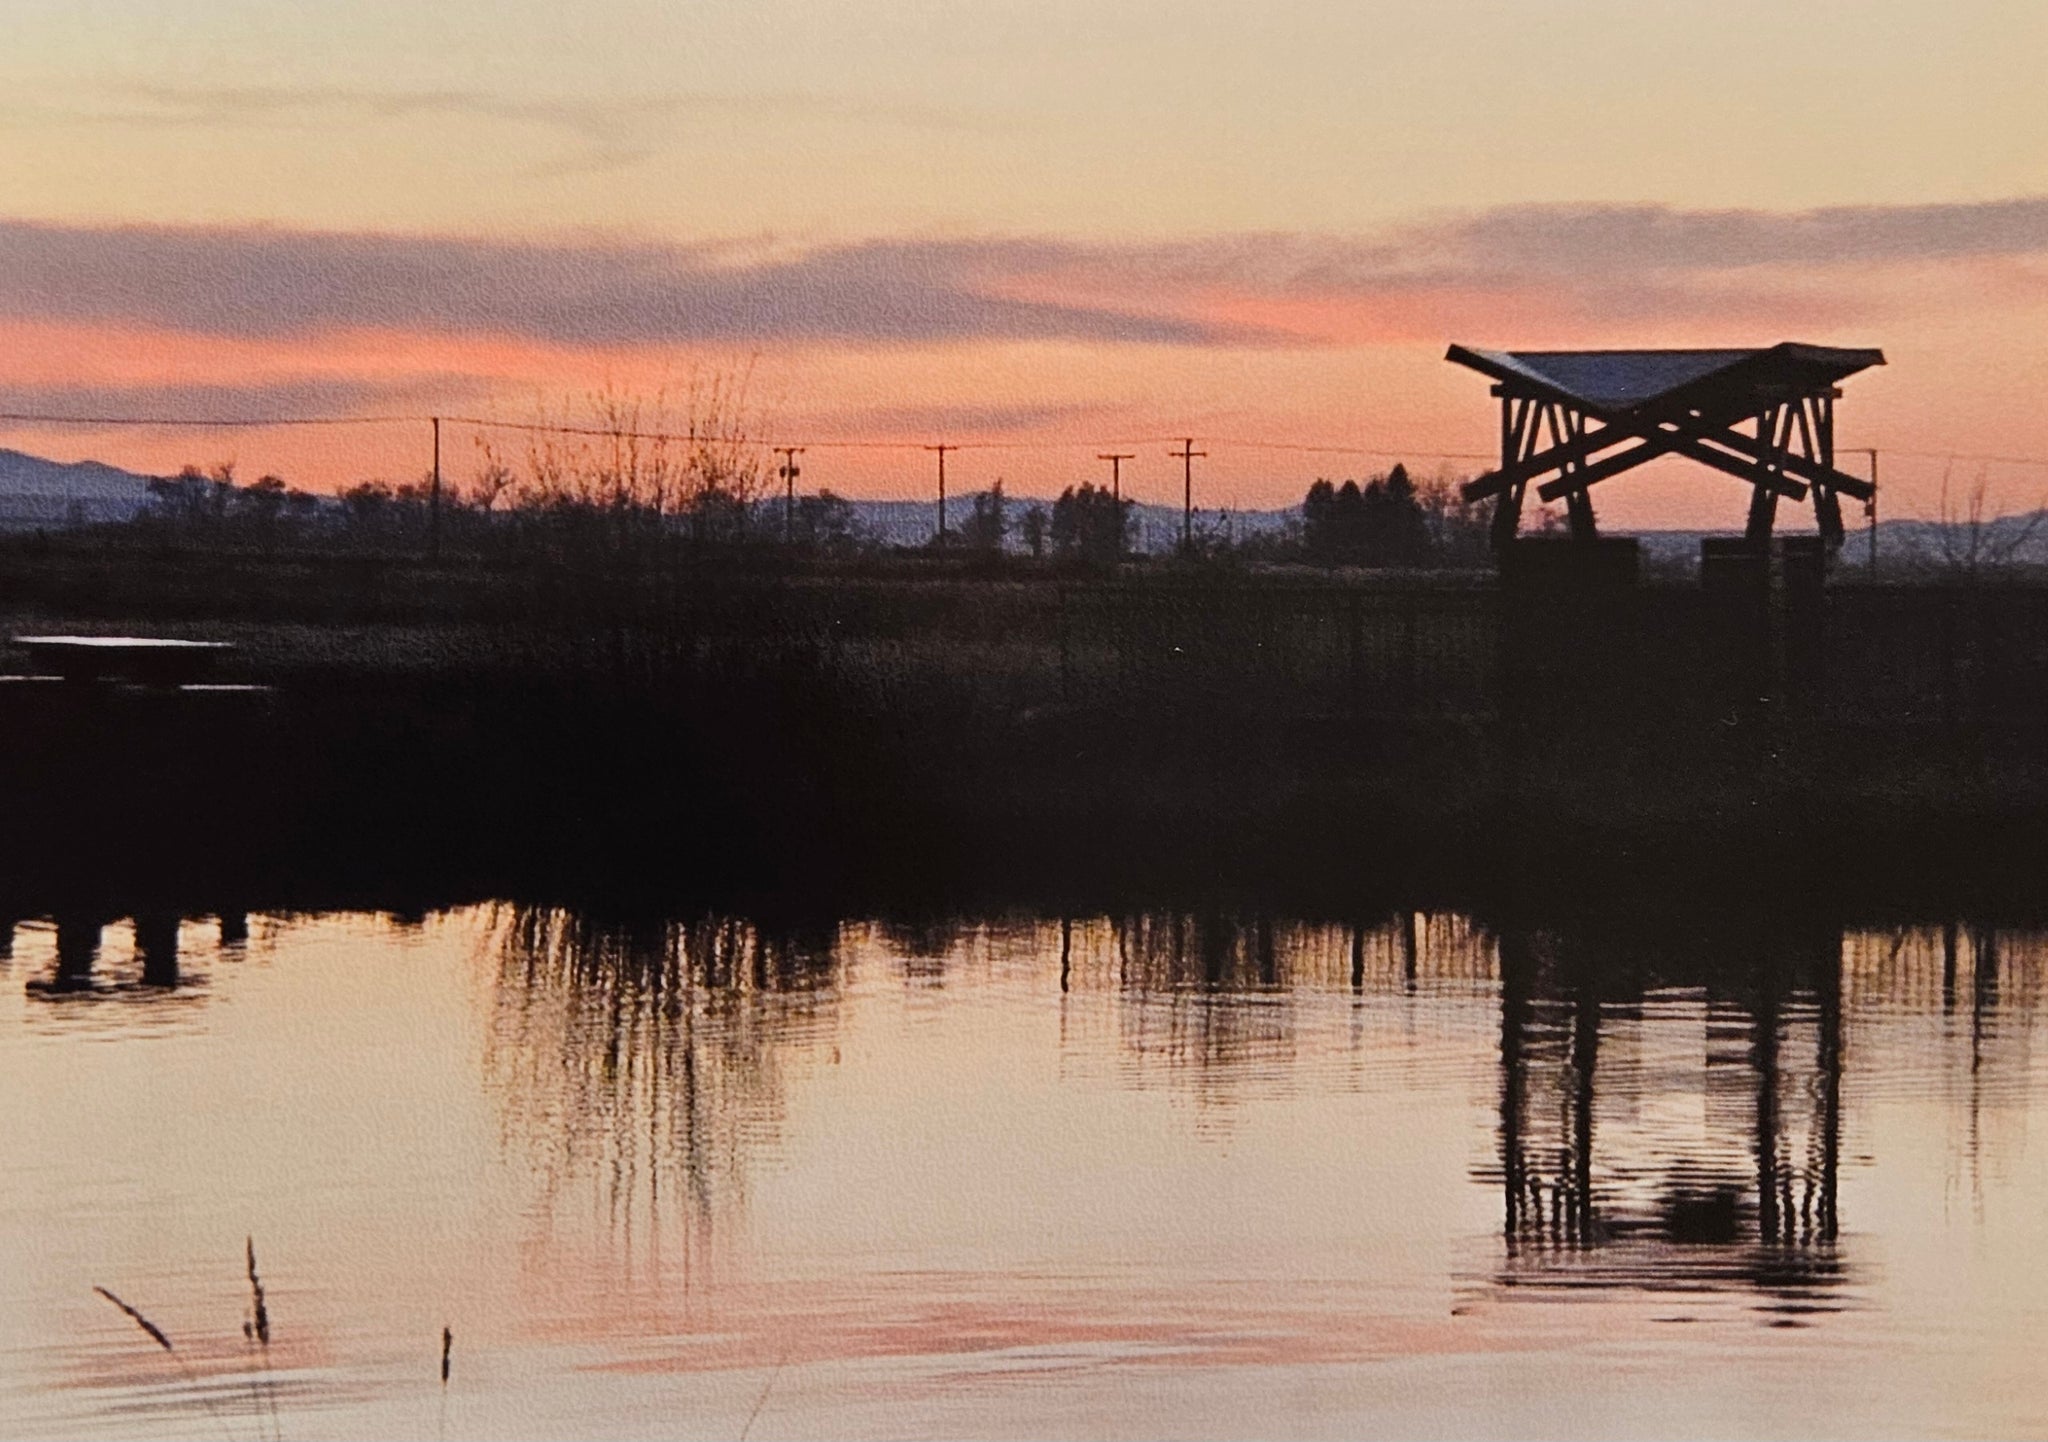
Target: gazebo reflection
1676	1129
77	966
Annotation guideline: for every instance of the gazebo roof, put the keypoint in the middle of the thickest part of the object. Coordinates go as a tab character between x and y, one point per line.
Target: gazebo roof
1609	382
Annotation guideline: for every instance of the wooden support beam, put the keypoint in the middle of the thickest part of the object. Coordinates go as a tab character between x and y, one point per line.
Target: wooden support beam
1530	463
1518	435
1817	432
1693	442
1579	511
1689	436
1737	466
1773	430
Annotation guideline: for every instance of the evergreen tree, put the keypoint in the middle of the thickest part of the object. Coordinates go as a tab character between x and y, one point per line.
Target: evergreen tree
1091	523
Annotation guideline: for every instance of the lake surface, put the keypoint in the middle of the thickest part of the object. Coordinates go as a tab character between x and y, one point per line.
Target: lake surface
1142	1176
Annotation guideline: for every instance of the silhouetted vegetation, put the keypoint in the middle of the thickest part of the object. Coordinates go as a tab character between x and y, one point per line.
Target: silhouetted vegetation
1389	522
1089	524
988	522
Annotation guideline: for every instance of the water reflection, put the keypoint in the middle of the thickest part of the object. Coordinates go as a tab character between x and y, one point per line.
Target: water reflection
78	968
1671	1113
1232	1005
1670	1109
683	1147
648	1053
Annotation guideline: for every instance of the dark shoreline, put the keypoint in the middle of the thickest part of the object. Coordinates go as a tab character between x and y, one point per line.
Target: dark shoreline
925	738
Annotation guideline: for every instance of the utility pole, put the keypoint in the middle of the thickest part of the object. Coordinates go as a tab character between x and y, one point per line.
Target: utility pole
788	474
434	501
1116	493
942	448
1188	456
1870	510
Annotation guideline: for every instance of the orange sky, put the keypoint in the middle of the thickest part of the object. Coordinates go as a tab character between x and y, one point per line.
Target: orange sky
1052	226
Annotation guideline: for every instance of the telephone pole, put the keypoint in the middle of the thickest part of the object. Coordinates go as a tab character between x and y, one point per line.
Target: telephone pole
942	448
1188	456
1116	493
789	475
434	501
1870	510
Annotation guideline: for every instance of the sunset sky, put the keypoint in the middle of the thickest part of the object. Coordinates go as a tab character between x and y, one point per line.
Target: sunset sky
1046	223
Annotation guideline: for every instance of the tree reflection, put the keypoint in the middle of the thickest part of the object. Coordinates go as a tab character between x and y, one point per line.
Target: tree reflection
1669	1114
646	1056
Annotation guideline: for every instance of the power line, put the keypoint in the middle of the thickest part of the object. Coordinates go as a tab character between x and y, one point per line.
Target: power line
1960	456
704	438
171	422
1379	454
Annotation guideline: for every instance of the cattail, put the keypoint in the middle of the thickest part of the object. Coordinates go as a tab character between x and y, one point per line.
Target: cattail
156	1335
155	1332
259	1314
447	1343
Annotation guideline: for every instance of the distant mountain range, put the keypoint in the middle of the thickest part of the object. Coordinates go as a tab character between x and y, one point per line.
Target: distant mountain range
2008	540
39	494
36	494
1154	529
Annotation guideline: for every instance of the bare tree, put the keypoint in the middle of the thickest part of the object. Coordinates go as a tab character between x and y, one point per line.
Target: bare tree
1970	539
638	460
494	477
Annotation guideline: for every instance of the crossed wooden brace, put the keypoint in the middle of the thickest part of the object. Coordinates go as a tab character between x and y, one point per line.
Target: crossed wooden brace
1688	436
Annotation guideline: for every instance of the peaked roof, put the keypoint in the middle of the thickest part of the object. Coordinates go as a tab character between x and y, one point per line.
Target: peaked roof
1628	380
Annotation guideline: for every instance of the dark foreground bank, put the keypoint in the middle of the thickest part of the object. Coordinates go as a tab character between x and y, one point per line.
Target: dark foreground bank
838	745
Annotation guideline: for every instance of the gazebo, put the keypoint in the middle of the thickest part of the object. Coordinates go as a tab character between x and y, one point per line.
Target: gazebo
1765	416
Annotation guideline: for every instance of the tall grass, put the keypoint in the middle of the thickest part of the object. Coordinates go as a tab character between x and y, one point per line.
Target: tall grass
157	1335
256	1333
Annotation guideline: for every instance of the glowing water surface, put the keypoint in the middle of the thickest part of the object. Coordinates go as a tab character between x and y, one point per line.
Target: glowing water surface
1150	1175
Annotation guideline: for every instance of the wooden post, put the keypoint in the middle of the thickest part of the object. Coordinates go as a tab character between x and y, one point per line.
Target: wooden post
156	944
1830	1063
78	948
1516	968
1764	1057
1585	1055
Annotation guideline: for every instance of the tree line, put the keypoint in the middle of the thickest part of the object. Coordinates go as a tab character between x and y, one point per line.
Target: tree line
1388	522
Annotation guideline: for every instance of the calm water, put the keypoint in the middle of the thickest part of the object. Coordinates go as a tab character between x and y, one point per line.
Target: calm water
1132	1177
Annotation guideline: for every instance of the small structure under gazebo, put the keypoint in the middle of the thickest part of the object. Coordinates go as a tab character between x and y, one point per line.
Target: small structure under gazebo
1570	419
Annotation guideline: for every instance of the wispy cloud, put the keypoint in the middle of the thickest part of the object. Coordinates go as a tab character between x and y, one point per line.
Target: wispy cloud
256	282
1567	243
596	133
268	399
1620	262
